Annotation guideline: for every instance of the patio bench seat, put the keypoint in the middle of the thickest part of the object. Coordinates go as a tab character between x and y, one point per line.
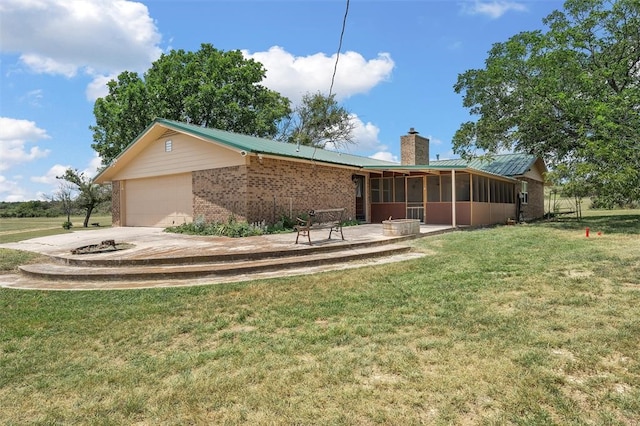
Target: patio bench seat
330	219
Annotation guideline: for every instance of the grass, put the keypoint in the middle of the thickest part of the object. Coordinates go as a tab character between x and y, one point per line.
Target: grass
19	229
525	325
24	228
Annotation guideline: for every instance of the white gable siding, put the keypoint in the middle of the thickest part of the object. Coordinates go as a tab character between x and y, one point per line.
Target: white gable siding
187	154
536	171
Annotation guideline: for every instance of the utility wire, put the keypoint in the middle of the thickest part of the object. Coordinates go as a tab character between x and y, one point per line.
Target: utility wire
335	67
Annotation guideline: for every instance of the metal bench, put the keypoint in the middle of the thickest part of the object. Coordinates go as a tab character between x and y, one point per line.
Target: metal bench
330	219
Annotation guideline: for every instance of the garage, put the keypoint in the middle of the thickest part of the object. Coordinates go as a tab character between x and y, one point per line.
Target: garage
160	201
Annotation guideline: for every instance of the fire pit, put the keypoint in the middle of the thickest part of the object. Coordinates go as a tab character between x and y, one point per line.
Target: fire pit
104	246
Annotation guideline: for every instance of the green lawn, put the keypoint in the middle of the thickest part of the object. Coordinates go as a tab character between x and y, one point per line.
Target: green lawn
530	324
24	228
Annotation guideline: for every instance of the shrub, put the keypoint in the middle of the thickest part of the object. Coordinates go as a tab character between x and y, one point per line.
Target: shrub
232	228
350	222
67	225
284	224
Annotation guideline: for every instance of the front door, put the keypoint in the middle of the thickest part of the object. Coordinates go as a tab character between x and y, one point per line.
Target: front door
361	213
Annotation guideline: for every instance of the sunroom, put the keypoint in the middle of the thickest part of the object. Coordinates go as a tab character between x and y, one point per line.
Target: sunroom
426	193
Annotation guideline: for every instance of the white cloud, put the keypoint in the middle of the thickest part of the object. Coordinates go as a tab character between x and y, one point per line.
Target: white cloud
44	65
11	191
17	193
293	76
365	135
386	156
92	168
98	87
14	136
65	37
434	141
34	97
50	177
494	9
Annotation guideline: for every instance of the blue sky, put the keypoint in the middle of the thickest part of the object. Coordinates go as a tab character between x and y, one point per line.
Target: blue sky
398	64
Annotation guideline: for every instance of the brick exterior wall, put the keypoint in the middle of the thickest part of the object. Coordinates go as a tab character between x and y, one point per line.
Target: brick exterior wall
115	203
266	189
534	209
414	149
220	193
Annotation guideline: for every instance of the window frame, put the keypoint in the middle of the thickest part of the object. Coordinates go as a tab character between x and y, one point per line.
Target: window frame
524	192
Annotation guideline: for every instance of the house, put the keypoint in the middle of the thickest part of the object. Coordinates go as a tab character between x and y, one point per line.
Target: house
174	172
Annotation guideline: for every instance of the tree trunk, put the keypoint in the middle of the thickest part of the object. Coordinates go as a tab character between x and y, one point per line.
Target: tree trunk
86	218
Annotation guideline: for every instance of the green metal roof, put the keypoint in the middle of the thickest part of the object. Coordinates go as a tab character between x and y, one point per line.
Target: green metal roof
503	164
430	166
252	144
506	165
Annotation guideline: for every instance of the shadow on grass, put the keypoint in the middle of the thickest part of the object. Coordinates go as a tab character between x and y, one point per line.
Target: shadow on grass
607	224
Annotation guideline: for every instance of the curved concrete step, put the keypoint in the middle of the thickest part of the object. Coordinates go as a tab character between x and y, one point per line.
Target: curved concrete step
198	270
182	259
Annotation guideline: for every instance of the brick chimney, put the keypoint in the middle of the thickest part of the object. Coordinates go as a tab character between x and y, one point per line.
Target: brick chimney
414	149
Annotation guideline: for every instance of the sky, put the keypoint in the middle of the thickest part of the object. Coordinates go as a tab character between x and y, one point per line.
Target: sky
396	69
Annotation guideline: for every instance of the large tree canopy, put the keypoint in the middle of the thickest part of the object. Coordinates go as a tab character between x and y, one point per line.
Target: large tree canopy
210	88
318	121
570	95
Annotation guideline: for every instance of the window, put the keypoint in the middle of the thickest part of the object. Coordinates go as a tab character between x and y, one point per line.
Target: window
168	145
388	190
524	193
375	190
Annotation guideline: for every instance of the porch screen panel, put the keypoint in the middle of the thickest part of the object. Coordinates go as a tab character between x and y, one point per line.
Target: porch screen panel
387	190
492	191
445	193
433	189
484	195
476	189
398	184
463	187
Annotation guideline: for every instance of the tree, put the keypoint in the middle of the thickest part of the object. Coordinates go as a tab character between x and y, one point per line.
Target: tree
570	95
209	88
318	121
90	195
65	196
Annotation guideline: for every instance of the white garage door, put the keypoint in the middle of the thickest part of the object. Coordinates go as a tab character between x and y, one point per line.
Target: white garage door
159	201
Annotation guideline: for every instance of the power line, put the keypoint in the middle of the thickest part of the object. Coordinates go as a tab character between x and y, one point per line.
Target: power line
335	67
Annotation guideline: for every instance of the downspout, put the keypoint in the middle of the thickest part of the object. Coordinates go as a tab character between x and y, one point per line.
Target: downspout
453	198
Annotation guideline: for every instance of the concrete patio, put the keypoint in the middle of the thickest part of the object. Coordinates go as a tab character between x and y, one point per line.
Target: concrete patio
154	258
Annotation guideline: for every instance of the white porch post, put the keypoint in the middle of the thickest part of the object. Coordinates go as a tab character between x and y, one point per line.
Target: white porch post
453	198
